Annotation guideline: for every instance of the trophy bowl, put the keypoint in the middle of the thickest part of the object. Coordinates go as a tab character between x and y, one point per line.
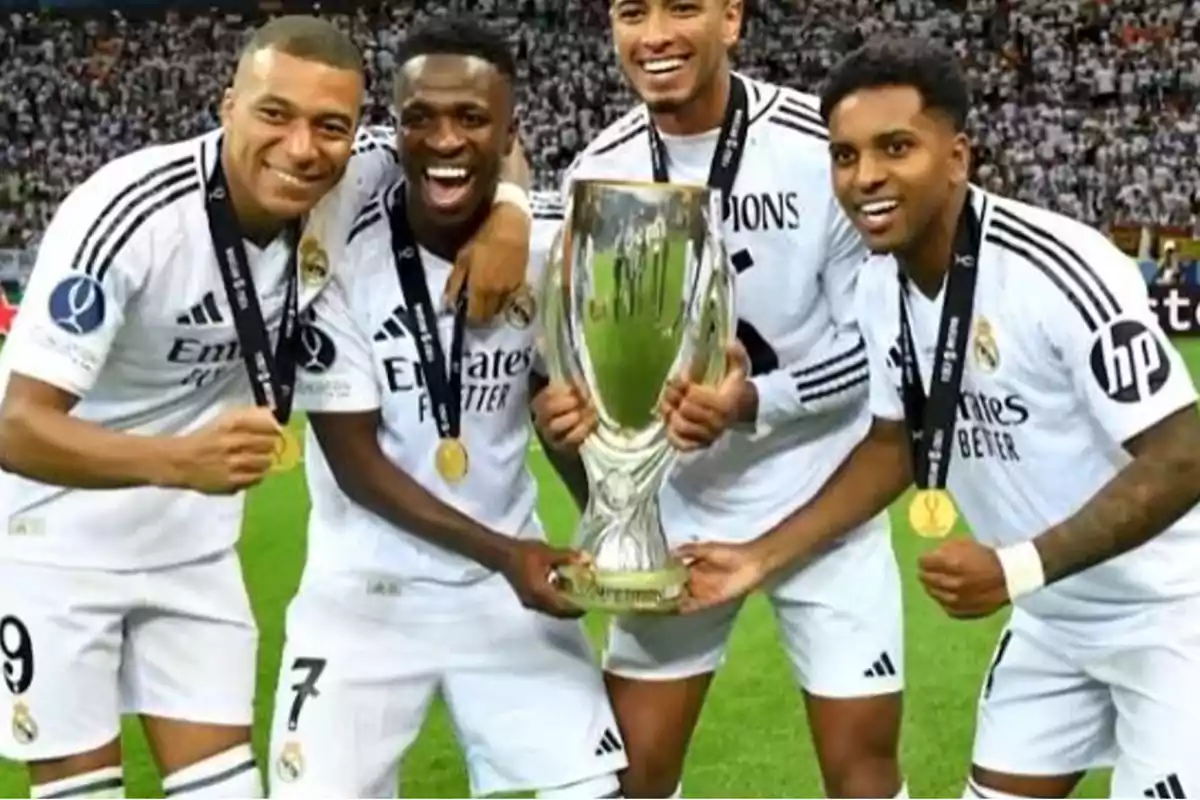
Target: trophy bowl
638	290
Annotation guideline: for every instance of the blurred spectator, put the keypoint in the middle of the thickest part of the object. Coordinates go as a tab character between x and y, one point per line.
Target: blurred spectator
1169	270
1084	106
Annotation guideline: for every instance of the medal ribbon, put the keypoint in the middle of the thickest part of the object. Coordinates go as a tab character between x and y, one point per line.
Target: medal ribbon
445	390
272	376
931	419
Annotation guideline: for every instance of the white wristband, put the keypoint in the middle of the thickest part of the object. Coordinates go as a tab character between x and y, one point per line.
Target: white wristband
1023	572
513	194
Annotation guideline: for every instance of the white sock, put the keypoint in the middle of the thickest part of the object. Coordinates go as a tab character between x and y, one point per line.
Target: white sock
231	774
678	793
105	783
974	790
903	793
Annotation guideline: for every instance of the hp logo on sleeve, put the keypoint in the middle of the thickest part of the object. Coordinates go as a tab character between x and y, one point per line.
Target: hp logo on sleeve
1129	362
77	305
317	351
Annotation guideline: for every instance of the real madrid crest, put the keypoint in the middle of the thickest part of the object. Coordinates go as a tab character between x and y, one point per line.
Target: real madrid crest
314	263
24	729
987	354
290	765
521	308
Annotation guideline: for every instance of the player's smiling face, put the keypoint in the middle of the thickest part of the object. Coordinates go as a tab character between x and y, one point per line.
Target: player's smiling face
289	126
456	127
672	50
895	163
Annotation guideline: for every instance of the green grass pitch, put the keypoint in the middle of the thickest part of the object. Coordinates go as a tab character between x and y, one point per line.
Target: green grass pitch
752	740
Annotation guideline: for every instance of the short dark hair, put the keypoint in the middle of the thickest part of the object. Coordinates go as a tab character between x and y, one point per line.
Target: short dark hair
456	36
924	64
307	37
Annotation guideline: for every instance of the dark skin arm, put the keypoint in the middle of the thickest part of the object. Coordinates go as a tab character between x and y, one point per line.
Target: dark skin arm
1159	486
368	478
516	167
349	442
40	440
875	473
567	464
496	257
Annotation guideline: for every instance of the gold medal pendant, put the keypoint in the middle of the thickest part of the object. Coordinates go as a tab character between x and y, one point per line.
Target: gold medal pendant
451	460
932	513
287	453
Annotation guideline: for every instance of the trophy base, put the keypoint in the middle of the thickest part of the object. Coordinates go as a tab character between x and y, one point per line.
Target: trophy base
632	592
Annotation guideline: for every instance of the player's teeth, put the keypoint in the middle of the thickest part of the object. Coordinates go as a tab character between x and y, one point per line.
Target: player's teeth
290	178
664	65
881	207
446	173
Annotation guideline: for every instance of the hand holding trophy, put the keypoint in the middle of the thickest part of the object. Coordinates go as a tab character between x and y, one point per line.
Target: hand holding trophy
638	290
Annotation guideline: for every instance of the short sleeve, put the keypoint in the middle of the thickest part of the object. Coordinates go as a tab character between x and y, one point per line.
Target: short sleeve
1122	365
336	371
880	328
76	299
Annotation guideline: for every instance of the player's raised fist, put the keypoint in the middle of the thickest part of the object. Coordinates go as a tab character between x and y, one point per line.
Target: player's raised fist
965	577
564	416
696	414
531	573
231	453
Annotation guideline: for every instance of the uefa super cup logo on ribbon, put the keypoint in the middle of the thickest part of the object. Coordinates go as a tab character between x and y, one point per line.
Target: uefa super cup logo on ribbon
638	290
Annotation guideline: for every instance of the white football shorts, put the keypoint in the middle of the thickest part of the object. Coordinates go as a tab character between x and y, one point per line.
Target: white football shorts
81	647
841	619
365	656
1053	705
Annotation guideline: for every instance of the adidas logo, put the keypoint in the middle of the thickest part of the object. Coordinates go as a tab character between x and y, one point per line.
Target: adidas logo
394	327
609	743
203	313
1169	788
895	358
882	668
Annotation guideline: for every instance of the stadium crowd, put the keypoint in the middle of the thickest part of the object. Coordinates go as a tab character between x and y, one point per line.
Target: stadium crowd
1084	106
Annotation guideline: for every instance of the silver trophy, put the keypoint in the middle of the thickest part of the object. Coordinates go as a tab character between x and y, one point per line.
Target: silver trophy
638	290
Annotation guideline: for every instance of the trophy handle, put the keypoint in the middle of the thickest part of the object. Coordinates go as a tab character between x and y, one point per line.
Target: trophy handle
553	297
717	311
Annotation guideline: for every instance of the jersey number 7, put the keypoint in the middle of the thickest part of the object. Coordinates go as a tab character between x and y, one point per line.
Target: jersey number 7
306	687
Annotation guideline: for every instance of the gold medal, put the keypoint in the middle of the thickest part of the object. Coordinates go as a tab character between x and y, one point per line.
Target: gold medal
932	513
287	452
451	460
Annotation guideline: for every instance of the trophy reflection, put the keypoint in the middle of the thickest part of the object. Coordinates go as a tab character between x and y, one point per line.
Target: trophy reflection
637	291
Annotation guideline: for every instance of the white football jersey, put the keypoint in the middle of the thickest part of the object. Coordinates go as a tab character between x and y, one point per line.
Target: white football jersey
362	356
1066	361
796	257
126	310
